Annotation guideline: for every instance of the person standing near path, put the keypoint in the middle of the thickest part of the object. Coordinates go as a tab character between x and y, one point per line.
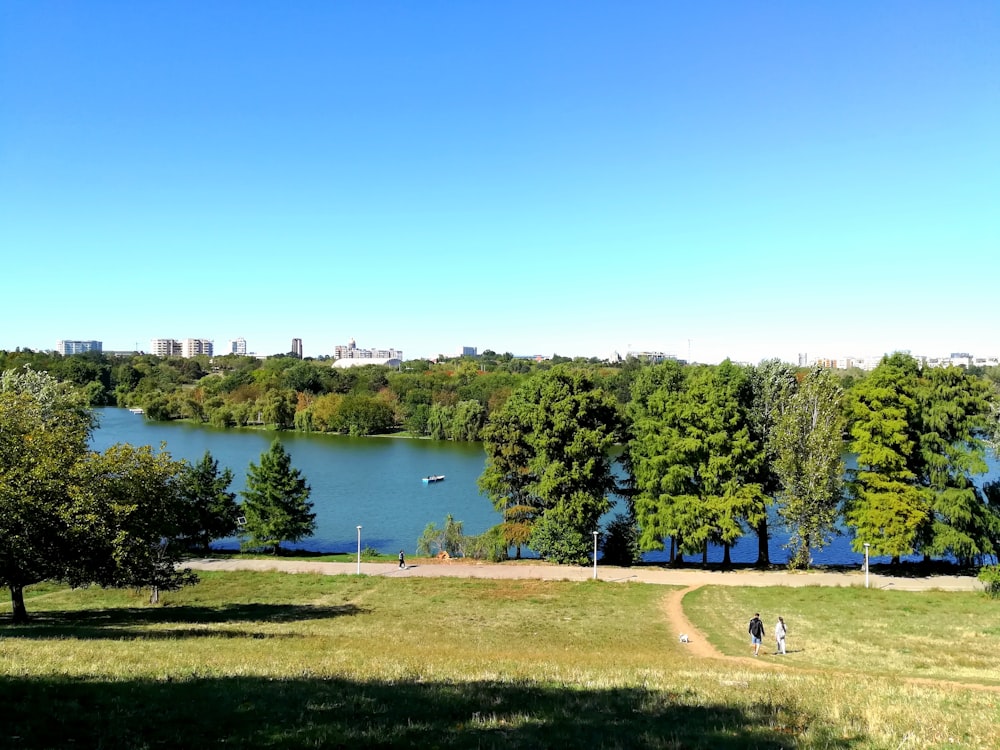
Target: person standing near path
780	631
402	559
756	630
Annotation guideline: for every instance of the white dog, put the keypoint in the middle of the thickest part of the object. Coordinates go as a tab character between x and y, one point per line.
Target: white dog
684	638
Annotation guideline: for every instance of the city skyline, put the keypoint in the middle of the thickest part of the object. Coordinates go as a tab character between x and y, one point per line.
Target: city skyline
709	181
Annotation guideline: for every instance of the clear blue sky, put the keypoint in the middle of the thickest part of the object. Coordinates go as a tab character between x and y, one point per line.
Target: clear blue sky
743	179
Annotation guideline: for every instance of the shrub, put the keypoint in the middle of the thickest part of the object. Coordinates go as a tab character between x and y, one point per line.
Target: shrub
621	542
990	576
557	540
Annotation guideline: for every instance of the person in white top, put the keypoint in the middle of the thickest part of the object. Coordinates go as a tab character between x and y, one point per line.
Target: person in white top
780	631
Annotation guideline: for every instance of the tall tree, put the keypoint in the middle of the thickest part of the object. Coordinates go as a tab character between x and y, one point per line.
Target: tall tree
885	508
694	460
808	445
954	410
769	386
45	427
548	450
276	501
209	509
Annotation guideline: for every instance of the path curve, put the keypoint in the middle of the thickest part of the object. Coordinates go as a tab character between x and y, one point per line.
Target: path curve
673	608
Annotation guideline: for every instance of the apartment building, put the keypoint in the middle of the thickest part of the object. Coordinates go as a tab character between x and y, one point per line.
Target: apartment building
66	347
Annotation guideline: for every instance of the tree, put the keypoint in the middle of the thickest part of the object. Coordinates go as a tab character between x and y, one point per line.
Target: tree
954	415
276	502
547	449
885	507
808	445
128	520
694	459
449	539
45	427
209	510
770	384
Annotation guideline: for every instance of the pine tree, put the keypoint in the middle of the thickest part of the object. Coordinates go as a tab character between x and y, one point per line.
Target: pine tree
886	508
276	502
210	509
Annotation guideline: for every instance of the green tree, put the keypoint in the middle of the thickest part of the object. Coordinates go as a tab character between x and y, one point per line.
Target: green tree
885	507
954	416
45	428
693	459
209	510
770	384
548	448
128	520
808	445
276	502
450	538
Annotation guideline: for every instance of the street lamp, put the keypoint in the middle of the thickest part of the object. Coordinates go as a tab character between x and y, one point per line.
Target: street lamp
595	555
867	545
359	550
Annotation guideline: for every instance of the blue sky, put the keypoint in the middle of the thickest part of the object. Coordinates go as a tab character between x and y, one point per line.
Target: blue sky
708	179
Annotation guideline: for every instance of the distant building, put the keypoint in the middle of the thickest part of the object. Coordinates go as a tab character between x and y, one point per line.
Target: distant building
238	346
297	347
78	347
165	347
342	364
468	351
175	348
651	357
194	347
351	351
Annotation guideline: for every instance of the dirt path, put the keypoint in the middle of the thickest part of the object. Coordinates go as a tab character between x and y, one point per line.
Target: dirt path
673	608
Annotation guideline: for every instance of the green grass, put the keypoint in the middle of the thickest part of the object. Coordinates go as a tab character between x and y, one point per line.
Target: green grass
934	634
269	660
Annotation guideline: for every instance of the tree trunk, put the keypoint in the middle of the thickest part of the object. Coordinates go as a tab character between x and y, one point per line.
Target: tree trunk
18	611
763	555
704	555
726	561
673	549
154	595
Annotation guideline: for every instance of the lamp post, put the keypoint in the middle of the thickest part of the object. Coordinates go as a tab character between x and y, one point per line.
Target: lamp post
866	564
359	550
595	555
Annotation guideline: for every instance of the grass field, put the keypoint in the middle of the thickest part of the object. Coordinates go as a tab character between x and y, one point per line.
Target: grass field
270	660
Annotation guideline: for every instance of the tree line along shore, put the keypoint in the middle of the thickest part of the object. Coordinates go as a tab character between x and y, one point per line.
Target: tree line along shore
707	452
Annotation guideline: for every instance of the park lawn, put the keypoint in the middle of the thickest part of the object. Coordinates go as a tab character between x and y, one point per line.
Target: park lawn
943	635
269	660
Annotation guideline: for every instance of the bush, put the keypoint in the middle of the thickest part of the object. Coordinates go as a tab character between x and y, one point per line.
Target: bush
990	576
621	542
490	545
557	540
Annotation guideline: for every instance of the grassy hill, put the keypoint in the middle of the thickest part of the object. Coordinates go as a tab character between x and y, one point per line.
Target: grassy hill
269	660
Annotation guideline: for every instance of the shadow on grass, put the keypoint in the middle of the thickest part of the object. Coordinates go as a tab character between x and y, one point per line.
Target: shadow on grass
120	622
338	713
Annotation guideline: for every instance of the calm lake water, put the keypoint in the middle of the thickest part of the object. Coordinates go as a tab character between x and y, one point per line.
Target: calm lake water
375	483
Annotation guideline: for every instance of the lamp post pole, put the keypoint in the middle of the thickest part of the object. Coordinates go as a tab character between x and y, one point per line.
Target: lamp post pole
359	550
595	555
866	564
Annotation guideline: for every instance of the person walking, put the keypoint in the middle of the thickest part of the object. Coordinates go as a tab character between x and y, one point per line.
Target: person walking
780	631
756	630
402	559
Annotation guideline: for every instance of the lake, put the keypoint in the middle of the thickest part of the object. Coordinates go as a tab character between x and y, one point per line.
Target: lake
375	483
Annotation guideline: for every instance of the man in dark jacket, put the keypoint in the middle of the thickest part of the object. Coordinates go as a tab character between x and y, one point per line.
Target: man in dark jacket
756	630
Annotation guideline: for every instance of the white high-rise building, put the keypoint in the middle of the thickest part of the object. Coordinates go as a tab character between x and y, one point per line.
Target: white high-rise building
238	346
165	347
78	347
